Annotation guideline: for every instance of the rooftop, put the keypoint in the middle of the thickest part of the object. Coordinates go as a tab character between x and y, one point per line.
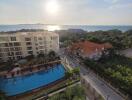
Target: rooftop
88	47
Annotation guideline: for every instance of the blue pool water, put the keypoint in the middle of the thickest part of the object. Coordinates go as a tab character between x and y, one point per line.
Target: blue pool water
26	83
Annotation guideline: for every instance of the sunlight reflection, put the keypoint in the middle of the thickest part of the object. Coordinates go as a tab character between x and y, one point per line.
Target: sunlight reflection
53	27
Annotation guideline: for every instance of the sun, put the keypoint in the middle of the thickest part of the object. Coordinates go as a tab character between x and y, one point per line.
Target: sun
52	7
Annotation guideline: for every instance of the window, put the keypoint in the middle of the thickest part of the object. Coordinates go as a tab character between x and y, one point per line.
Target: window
10	58
18	53
27	39
13	58
9	54
30	52
12	49
28	43
40	38
29	48
6	49
10	44
13	38
41	47
0	54
41	51
17	48
12	53
17	44
54	38
4	45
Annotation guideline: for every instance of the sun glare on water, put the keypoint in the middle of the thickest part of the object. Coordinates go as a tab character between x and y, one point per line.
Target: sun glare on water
53	27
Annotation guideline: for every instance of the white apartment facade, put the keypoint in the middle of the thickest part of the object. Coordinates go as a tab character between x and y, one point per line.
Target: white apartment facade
21	44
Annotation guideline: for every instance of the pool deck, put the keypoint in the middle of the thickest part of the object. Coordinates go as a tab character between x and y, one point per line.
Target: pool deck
30	70
34	91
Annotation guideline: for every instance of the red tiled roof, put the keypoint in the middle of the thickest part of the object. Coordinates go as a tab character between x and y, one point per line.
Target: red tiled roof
89	47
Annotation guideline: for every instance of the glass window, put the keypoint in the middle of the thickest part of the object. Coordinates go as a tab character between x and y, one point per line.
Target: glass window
6	49
4	45
28	43
41	47
12	49
17	48
17	44
27	39
30	52
29	48
18	53
13	38
40	38
10	44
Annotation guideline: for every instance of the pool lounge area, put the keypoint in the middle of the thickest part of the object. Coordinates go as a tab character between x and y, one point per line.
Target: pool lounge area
26	83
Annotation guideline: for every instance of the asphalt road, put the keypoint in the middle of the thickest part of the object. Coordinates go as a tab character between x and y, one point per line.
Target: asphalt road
107	92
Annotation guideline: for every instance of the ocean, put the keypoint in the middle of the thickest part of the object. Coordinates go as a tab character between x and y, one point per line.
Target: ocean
63	27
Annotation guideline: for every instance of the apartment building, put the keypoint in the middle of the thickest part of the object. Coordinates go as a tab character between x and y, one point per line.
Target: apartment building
21	44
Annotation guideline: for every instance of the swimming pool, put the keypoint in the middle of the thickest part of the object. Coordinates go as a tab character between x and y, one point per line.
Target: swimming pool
21	84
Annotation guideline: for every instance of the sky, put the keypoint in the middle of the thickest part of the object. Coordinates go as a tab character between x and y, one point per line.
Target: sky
66	12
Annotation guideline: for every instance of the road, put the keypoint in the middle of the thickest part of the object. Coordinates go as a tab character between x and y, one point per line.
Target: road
107	92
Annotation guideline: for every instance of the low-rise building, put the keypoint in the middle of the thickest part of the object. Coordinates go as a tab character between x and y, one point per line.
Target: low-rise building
87	49
17	45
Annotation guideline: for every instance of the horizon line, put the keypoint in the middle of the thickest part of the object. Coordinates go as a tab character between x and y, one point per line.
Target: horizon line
70	24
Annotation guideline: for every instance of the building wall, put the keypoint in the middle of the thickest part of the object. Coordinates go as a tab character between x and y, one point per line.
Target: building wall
90	90
17	45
